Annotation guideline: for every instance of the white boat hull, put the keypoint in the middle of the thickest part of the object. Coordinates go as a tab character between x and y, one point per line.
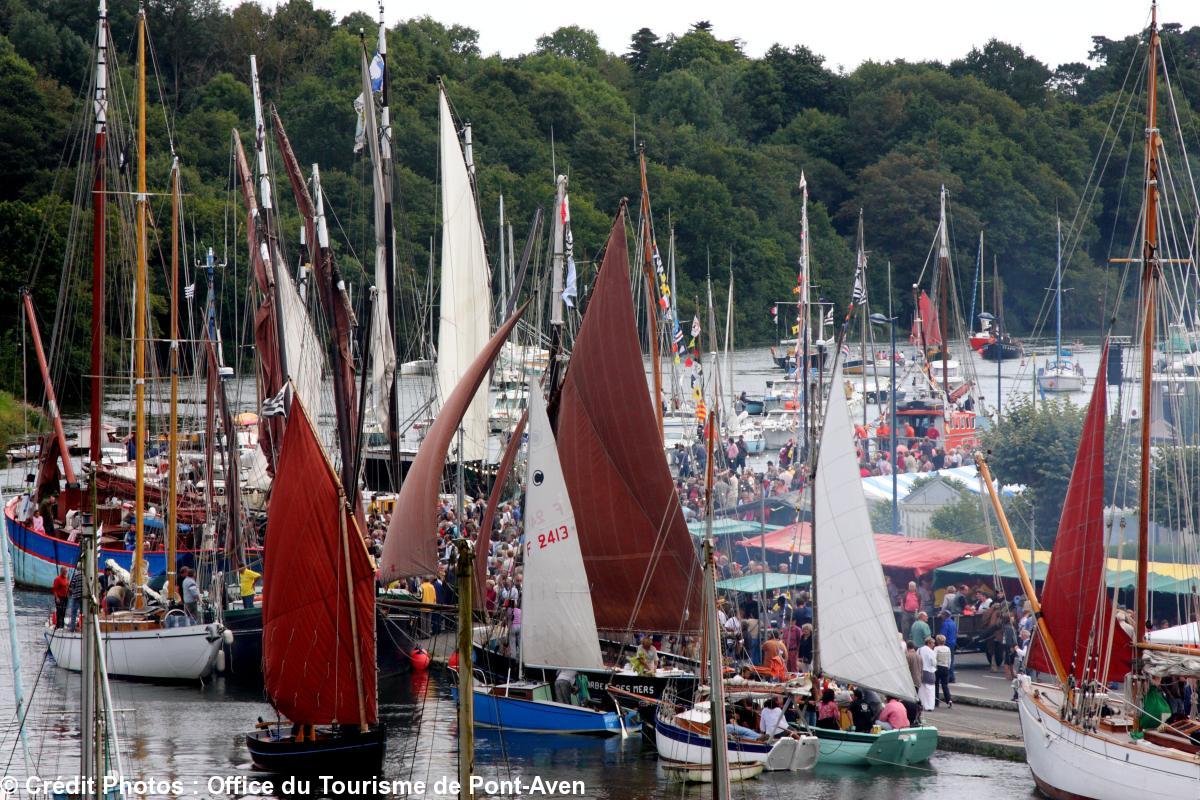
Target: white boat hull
162	654
1069	763
1060	383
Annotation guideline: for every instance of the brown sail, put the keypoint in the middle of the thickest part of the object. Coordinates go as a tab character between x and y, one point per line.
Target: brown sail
639	556
411	544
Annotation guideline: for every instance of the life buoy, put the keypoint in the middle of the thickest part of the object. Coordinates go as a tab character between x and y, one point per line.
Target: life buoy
789	405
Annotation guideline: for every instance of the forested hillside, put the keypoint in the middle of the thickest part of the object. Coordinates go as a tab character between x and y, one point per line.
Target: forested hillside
727	137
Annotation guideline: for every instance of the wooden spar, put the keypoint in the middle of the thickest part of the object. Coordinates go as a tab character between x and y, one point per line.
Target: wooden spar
651	303
358	668
99	198
1026	584
139	325
172	434
466	688
389	239
716	727
51	398
943	291
862	261
1150	269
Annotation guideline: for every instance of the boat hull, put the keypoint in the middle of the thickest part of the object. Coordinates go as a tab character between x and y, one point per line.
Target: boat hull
536	716
1060	383
37	557
1068	762
702	773
336	753
164	655
899	748
682	746
1001	351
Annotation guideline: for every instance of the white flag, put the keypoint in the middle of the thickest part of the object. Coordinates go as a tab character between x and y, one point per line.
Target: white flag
189	291
569	288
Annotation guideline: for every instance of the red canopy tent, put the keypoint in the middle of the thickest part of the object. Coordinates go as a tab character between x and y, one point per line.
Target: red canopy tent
895	552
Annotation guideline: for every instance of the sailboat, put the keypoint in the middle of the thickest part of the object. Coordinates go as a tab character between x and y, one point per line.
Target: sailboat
145	643
1082	738
1000	346
557	622
318	620
1062	374
854	630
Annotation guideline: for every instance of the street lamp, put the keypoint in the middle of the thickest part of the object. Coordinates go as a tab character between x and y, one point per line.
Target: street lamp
881	319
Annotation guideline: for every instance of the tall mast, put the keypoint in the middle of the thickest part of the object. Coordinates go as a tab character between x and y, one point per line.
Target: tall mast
1150	268
557	259
139	323
651	302
943	285
720	753
100	102
268	243
173	436
1058	292
804	321
389	242
862	270
503	268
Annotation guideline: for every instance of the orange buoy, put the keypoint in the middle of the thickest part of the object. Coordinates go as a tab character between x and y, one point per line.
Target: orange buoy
420	660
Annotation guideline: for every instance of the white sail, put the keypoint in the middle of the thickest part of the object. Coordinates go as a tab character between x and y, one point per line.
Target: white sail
466	298
858	640
304	352
558	626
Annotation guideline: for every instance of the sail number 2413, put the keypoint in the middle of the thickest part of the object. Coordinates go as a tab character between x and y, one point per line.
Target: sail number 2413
544	540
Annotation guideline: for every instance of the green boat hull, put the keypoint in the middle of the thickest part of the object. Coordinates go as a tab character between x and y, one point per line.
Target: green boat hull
900	748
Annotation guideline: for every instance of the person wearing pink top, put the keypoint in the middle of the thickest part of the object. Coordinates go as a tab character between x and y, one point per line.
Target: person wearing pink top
894	716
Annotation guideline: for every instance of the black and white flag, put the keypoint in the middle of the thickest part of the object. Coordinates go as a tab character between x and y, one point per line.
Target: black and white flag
278	405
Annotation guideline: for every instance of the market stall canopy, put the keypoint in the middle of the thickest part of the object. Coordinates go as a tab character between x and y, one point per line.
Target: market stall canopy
730	527
754	583
879	487
1164	577
897	552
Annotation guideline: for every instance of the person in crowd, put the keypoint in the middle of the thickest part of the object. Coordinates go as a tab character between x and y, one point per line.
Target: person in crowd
910	604
861	713
949	630
771	721
942	654
920	630
61	589
564	686
926	691
829	715
894	715
189	593
246	580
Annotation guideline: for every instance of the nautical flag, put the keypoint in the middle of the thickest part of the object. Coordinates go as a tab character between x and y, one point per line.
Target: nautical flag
845	350
360	125
376	73
189	291
829	316
695	326
277	406
569	290
859	294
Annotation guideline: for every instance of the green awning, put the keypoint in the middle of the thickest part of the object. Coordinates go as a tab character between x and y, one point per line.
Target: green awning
754	583
969	569
730	527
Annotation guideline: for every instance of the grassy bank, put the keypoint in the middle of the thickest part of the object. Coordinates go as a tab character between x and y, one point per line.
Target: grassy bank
14	415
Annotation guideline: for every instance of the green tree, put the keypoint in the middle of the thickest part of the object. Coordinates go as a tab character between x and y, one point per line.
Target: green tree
574	42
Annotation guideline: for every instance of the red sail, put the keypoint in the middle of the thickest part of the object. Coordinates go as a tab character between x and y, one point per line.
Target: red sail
483	539
308	652
636	547
1075	604
411	544
925	328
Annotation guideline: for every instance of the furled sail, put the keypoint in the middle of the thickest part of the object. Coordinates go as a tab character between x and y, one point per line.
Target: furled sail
925	328
858	640
1075	604
411	544
466	296
639	555
308	656
558	626
383	351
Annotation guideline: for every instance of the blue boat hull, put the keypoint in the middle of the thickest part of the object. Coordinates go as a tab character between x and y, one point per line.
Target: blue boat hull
37	557
535	716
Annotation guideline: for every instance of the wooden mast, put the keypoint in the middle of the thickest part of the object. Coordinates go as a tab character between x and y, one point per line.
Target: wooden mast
466	679
139	323
354	639
51	398
651	303
1150	267
99	198
173	434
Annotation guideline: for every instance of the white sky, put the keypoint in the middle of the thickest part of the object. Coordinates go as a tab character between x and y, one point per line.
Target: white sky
846	32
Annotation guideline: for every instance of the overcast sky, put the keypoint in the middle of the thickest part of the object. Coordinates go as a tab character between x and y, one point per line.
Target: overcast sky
846	32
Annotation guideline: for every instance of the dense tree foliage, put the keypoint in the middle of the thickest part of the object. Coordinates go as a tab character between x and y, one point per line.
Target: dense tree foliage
727	137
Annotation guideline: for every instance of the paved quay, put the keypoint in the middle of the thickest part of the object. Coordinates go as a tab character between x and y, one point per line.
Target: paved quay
984	719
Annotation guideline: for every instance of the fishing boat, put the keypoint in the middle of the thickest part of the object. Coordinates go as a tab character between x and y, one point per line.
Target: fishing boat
684	739
1062	375
318	636
851	605
1084	739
